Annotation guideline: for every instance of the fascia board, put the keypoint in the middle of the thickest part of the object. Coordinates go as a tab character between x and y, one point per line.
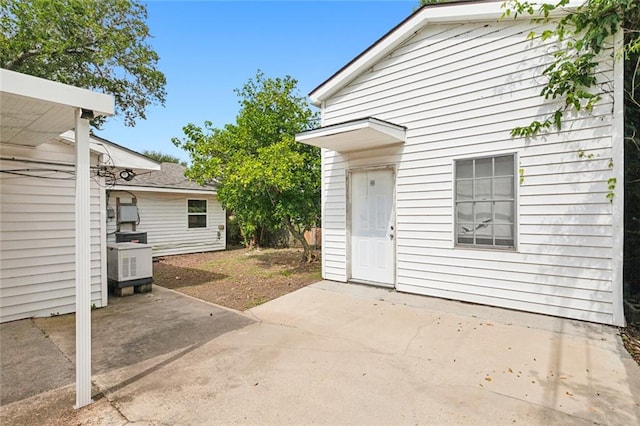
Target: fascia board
438	14
392	130
160	189
116	155
368	133
41	89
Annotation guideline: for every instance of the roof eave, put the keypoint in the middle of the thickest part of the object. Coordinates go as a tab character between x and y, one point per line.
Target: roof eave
115	155
34	110
43	90
148	188
437	13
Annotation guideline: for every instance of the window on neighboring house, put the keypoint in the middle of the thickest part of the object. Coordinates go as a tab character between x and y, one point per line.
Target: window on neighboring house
485	201
197	213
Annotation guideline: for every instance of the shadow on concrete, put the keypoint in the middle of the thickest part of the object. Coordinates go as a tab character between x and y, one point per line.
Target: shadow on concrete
30	363
145	326
130	331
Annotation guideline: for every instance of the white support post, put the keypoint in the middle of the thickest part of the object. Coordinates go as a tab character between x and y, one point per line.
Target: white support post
83	264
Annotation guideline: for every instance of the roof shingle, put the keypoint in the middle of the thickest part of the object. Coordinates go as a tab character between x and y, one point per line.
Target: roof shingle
171	175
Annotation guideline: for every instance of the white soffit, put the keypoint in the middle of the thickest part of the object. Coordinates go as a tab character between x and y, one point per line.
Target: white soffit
114	154
357	135
34	110
430	14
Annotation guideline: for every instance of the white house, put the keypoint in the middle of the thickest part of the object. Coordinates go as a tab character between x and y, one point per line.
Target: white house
37	230
424	189
32	112
178	215
37	225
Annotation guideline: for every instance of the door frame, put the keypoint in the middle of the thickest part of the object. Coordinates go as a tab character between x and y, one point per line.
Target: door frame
348	180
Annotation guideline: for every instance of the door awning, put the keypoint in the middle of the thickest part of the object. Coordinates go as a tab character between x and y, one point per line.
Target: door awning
357	135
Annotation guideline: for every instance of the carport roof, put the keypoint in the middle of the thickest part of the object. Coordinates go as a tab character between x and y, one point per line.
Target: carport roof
34	110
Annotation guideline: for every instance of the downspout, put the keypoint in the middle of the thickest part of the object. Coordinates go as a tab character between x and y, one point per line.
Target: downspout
323	257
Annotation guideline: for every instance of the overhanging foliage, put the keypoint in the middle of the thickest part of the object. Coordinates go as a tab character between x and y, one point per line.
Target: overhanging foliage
264	177
95	44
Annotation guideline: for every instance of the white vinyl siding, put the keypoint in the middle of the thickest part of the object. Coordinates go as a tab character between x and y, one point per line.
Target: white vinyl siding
163	216
460	89
37	235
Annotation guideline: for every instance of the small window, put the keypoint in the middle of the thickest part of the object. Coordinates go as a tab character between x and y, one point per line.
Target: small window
197	213
485	201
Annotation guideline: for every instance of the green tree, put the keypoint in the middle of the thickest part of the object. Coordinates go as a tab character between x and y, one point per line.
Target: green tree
582	35
163	158
95	44
571	77
265	178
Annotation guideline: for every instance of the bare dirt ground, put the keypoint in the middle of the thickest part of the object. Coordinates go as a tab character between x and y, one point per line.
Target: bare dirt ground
237	278
631	339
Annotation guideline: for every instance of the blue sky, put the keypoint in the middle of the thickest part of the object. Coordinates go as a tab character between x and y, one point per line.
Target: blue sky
209	48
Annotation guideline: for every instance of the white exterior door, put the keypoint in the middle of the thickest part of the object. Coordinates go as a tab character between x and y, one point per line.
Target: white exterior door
372	226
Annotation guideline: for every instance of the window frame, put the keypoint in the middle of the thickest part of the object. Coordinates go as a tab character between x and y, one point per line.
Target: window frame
492	200
205	213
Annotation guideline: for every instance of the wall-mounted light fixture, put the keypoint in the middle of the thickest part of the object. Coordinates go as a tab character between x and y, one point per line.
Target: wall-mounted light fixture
127	175
87	114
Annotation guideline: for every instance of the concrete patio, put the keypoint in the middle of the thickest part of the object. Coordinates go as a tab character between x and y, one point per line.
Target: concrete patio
329	353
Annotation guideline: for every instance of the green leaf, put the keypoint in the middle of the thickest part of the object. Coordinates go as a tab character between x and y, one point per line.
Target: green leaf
265	178
546	34
95	44
557	119
587	32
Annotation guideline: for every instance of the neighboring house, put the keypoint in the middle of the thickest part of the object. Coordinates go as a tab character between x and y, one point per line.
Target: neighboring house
424	189
178	215
38	227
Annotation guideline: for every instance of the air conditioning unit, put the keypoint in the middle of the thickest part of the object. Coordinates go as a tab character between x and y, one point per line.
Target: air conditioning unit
129	264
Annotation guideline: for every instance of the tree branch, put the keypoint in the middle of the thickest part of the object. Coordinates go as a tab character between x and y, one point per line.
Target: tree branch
632	94
23	56
308	253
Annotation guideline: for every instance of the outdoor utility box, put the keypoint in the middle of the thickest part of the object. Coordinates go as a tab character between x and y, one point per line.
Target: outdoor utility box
129	265
127	214
131	237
